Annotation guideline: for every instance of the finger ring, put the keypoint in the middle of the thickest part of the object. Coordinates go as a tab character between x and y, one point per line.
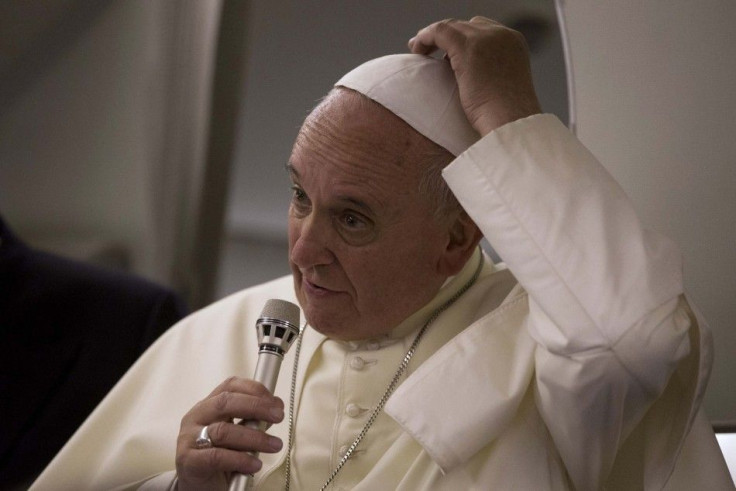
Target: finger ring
203	440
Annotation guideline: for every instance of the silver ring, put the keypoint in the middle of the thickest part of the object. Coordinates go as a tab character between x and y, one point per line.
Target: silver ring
203	440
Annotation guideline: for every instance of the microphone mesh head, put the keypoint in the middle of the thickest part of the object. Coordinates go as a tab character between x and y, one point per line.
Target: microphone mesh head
281	309
278	327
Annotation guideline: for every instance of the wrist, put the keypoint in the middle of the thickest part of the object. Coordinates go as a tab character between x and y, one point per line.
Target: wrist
495	117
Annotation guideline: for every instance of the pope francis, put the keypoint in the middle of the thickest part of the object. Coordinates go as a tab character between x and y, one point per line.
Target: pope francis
576	364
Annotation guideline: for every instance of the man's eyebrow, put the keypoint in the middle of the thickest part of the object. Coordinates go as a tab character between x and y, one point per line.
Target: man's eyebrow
357	203
362	205
291	169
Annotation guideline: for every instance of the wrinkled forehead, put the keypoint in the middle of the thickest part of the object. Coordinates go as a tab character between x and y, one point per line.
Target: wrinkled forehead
347	128
420	90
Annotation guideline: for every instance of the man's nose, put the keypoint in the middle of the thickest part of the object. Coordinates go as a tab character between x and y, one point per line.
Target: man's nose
311	243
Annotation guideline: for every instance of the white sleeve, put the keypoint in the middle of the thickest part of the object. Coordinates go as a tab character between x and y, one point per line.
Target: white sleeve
605	294
166	481
163	482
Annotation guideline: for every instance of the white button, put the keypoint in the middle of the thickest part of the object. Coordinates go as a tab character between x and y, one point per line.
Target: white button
357	363
353	410
353	345
372	345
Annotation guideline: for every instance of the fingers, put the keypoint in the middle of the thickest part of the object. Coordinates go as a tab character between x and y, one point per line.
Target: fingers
235	398
242	438
238	398
491	66
449	35
439	35
197	465
229	451
427	41
244	385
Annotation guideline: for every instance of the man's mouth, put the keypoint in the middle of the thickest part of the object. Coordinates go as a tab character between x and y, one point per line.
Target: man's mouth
315	289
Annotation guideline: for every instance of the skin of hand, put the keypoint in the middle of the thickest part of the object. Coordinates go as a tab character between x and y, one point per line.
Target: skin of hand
208	468
491	65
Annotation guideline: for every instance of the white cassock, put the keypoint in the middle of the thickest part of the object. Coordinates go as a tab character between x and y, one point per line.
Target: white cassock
587	373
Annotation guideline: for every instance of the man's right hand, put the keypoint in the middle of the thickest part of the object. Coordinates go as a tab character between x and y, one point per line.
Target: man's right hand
208	468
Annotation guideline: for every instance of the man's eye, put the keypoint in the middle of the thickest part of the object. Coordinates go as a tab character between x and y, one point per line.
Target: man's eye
354	228
299	201
297	194
299	197
352	221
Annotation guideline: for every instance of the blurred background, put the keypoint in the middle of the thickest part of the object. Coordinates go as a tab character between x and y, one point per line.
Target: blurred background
151	136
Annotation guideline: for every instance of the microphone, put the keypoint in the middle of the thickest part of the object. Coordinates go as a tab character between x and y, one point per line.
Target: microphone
277	328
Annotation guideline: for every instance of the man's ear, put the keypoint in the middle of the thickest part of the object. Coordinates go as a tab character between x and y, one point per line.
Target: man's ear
463	237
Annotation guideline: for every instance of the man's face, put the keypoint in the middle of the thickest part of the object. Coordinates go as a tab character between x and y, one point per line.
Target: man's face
364	244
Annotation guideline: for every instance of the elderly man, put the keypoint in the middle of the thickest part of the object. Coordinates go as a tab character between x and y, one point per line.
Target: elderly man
423	365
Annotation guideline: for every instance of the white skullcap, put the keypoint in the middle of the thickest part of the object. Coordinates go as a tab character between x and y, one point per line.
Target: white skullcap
422	91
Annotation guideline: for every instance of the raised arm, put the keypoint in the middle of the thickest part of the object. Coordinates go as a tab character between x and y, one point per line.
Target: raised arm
605	294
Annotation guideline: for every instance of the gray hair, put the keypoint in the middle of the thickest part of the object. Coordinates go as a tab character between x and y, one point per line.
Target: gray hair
431	183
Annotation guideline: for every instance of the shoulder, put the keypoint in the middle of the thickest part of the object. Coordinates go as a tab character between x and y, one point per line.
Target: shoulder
216	341
240	308
248	299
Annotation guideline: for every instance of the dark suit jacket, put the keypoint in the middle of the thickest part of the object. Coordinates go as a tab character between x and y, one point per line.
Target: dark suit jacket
68	332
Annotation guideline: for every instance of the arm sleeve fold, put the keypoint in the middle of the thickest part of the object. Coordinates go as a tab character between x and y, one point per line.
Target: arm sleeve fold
606	304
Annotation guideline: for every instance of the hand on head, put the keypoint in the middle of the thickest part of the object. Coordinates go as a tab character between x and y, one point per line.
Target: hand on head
207	467
491	65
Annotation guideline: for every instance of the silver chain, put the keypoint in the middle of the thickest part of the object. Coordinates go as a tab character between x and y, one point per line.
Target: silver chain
291	406
384	398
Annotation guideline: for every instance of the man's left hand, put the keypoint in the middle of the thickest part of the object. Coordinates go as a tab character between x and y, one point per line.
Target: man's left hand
491	65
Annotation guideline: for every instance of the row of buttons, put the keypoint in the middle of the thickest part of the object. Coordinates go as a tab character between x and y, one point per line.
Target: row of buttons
359	363
353	410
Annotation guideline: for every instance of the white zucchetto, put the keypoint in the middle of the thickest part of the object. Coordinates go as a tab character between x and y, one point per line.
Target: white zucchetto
422	91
